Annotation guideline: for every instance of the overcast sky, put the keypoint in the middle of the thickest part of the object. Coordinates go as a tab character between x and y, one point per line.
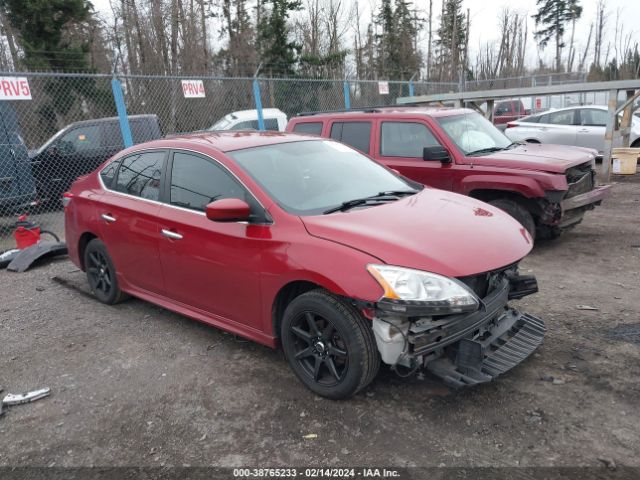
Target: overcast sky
484	19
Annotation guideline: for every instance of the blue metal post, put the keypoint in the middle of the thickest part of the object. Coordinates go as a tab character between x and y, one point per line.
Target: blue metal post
125	129
258	100
347	97
411	88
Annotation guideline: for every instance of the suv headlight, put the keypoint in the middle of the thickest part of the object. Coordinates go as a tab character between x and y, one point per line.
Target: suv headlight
426	293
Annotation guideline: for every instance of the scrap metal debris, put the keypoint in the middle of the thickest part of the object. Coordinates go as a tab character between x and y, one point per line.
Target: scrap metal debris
12	399
586	307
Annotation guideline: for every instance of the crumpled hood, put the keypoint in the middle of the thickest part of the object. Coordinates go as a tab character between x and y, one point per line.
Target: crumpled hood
434	230
537	156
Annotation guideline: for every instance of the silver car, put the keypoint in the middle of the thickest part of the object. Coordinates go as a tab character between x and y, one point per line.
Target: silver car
580	126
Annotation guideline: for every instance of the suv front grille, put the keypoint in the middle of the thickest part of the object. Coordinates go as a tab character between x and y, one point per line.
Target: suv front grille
581	179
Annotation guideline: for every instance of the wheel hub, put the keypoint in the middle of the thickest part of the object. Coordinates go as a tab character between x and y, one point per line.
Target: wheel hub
320	347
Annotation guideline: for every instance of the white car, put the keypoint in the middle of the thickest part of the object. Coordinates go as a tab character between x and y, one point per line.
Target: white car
580	126
274	119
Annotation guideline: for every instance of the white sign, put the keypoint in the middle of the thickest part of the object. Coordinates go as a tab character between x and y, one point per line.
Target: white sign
383	88
14	88
193	88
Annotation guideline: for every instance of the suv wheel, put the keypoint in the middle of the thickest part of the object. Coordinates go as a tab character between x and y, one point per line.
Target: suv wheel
518	212
101	274
329	345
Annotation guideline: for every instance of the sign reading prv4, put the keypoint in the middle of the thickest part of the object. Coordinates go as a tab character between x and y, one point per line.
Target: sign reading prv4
193	88
383	88
14	88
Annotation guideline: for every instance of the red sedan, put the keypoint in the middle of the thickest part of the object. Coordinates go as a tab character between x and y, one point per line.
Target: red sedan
306	243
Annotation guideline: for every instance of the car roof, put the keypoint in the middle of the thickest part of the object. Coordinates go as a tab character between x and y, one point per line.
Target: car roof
575	107
113	119
228	140
385	112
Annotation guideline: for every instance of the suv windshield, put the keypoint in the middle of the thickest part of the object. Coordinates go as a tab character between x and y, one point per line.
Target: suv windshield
473	134
316	176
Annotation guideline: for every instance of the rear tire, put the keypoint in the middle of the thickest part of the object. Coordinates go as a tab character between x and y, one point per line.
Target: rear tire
101	273
329	345
518	212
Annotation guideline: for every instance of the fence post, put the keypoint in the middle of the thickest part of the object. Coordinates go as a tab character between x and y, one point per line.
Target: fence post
258	99
411	92
347	96
118	97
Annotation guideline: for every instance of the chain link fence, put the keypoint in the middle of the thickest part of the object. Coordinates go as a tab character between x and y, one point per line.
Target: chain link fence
56	127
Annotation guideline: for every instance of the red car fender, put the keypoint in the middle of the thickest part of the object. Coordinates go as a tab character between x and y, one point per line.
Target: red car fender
314	264
525	186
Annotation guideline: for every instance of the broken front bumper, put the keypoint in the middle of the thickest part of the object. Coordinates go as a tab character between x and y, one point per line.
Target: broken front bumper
467	349
514	337
592	197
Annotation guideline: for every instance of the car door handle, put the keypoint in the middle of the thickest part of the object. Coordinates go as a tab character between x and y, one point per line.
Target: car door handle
583	130
170	234
108	218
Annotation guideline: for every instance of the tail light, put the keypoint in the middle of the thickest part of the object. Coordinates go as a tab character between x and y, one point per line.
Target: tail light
511	125
66	198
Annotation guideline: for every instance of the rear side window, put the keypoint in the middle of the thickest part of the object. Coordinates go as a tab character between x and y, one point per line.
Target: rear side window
356	134
561	118
143	130
313	128
196	182
405	139
108	173
111	135
533	119
140	174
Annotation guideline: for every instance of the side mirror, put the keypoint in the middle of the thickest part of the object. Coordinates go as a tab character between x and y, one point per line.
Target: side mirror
436	154
228	210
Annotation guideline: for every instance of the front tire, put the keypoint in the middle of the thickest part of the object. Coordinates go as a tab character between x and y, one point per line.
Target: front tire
329	345
101	273
518	212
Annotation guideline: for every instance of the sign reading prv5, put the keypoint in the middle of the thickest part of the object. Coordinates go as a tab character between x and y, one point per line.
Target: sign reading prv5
193	88
14	88
383	88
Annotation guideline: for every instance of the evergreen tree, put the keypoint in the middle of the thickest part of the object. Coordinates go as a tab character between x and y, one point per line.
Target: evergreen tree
452	37
279	52
552	18
41	24
397	55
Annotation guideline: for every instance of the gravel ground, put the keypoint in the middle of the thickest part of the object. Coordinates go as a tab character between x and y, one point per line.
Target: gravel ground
138	385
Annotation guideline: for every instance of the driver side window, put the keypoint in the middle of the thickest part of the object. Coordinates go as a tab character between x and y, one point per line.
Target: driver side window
196	182
80	139
405	139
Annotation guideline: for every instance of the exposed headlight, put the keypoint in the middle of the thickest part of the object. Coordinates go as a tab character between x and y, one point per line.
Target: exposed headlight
432	293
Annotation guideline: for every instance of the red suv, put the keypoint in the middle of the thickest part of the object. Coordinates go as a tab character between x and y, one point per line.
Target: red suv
256	234
547	188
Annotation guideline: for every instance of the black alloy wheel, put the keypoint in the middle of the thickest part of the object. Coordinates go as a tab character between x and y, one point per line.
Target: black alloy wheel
329	344
101	273
319	348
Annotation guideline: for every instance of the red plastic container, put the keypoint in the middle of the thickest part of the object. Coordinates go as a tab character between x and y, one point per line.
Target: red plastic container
27	233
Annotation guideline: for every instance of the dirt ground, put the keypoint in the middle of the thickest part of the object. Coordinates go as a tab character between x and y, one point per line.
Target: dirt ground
137	385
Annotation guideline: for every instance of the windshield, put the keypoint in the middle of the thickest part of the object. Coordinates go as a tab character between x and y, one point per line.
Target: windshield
473	133
311	177
221	124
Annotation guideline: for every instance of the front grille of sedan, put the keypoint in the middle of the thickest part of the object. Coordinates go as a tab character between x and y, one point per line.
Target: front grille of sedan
581	179
483	284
